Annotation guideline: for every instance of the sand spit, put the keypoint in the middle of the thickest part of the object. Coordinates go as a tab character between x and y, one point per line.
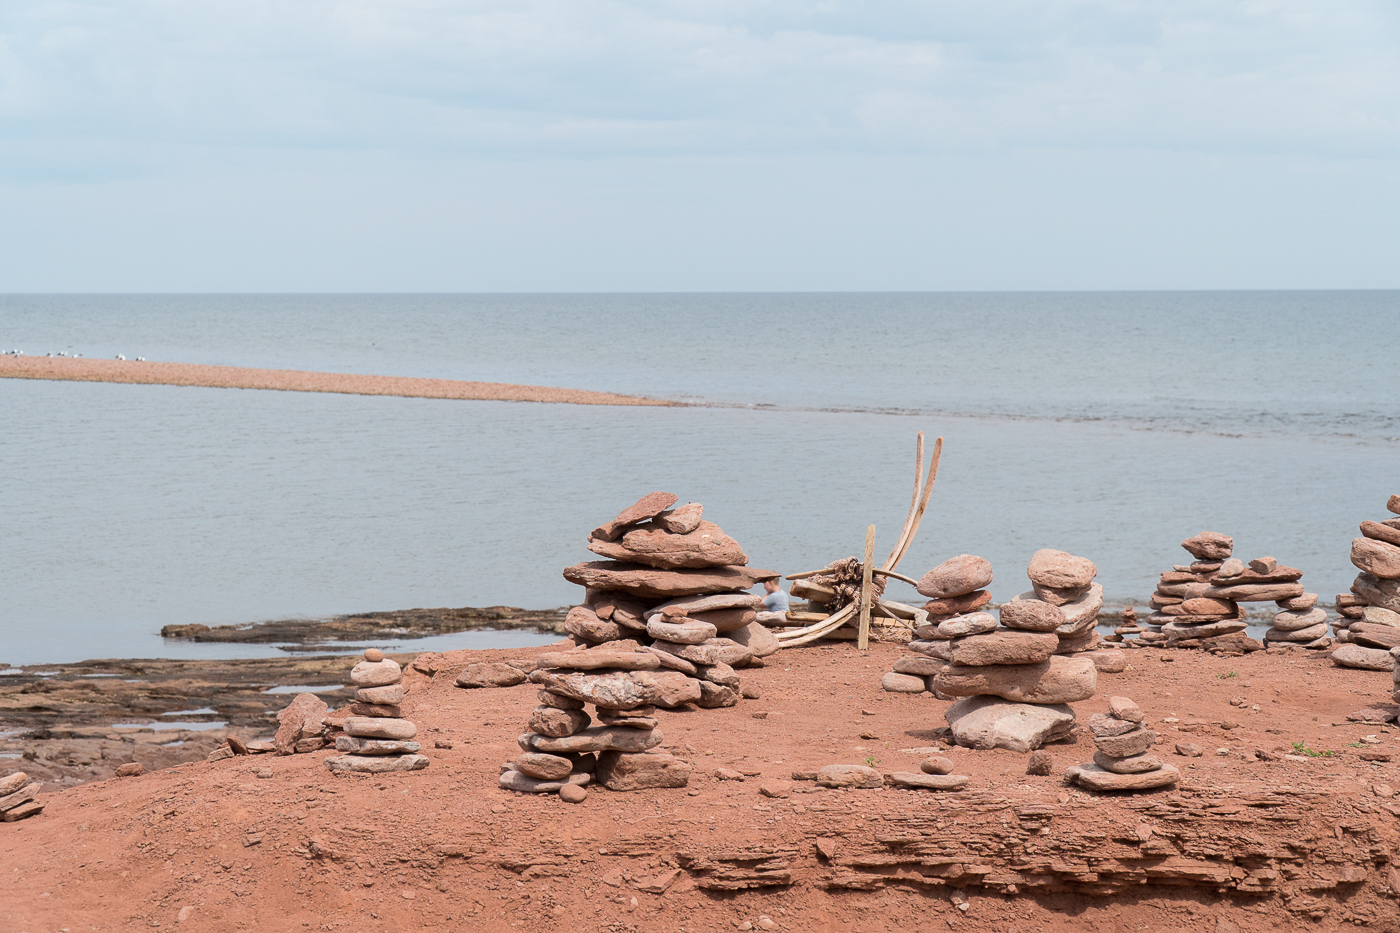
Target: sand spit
291	380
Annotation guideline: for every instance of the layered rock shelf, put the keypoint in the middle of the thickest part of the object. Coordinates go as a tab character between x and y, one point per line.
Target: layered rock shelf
1369	626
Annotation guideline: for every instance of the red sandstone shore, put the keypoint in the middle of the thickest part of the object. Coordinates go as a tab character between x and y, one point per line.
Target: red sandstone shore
289	380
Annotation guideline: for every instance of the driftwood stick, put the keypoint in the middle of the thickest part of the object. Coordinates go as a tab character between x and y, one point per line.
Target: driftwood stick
867	568
913	503
898	576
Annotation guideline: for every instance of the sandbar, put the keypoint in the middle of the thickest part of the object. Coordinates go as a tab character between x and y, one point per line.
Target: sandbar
80	369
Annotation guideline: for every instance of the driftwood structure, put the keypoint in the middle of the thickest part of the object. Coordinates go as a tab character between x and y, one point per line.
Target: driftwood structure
852	591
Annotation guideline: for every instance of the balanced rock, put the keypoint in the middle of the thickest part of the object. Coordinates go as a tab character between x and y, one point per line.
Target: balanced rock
1096	778
593	739
1057	680
376	673
647	507
1059	570
1377	558
956	576
377	764
1210	545
974	624
617	771
1031	615
622	689
641	580
706	546
1004	647
681	520
367	727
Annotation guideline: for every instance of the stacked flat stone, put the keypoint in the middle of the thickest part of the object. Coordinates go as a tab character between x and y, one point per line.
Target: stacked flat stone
1370	614
1199	604
1013	684
956	589
669	566
18	798
625	682
376	738
1123	759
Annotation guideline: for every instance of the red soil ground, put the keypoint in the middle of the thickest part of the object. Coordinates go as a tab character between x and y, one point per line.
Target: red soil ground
279	844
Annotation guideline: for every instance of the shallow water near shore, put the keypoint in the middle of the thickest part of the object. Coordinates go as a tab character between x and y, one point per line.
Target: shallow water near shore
1112	430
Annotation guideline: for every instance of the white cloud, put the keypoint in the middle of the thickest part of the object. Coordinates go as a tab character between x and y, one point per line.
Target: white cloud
590	77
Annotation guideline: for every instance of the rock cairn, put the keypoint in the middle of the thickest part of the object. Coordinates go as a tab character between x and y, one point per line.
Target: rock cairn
18	797
375	737
1011	678
625	682
1197	605
1122	760
670	567
666	621
957	590
1370	614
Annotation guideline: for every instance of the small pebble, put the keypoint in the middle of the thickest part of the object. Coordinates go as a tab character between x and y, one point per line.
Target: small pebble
374	654
936	766
264	774
573	793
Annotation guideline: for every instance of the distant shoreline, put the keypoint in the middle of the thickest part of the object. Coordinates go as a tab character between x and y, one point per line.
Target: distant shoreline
78	369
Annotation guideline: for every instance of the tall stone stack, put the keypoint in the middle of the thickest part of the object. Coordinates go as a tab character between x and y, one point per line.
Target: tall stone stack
1123	759
1013	686
376	738
18	798
625	682
669	566
1199	604
1370	614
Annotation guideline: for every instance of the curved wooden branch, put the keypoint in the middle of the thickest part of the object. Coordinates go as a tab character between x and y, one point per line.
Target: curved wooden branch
908	539
898	576
819	630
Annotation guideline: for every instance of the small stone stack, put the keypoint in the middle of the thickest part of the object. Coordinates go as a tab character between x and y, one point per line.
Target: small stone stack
1067	582
626	682
1013	684
1370	614
957	589
18	798
1122	760
1198	605
668	564
376	737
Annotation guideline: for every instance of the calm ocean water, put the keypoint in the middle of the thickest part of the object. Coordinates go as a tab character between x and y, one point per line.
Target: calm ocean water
1110	425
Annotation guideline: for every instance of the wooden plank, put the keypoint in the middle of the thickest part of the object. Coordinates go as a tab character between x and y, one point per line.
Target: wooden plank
866	570
801	589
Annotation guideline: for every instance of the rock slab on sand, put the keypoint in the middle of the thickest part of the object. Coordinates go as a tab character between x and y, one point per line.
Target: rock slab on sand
990	722
377	764
1096	778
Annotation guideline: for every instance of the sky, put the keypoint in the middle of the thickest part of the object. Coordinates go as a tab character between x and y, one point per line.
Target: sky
604	145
